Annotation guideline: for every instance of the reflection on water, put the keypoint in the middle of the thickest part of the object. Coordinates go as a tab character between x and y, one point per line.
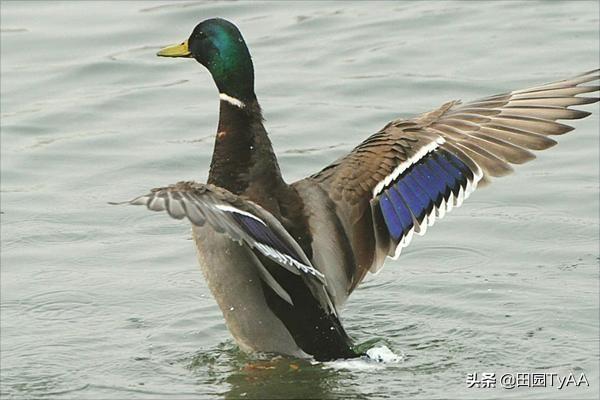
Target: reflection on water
271	377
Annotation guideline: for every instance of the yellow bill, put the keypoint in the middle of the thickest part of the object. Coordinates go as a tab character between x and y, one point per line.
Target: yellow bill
176	50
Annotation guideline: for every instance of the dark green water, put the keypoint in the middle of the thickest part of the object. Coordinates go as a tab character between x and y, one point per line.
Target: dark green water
108	302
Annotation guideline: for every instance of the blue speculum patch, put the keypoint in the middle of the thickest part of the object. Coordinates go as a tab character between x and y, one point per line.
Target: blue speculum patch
420	188
263	234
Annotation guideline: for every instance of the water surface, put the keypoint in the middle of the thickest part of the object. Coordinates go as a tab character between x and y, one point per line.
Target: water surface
108	302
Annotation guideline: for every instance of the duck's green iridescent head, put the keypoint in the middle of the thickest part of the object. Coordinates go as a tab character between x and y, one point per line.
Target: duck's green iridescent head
219	46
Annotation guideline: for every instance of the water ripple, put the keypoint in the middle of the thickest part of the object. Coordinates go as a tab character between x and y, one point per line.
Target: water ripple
60	305
101	301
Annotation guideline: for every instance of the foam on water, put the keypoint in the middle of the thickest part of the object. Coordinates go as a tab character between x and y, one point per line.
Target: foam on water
376	357
382	354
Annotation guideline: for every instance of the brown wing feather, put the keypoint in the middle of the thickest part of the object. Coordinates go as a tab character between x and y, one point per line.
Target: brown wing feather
488	134
500	130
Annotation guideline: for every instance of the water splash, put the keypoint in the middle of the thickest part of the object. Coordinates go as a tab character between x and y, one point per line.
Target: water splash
382	354
376	357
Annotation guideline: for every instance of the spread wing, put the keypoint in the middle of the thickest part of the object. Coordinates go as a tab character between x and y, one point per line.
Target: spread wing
239	219
412	172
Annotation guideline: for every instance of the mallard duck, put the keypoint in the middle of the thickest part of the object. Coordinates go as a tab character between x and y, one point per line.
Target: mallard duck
280	259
